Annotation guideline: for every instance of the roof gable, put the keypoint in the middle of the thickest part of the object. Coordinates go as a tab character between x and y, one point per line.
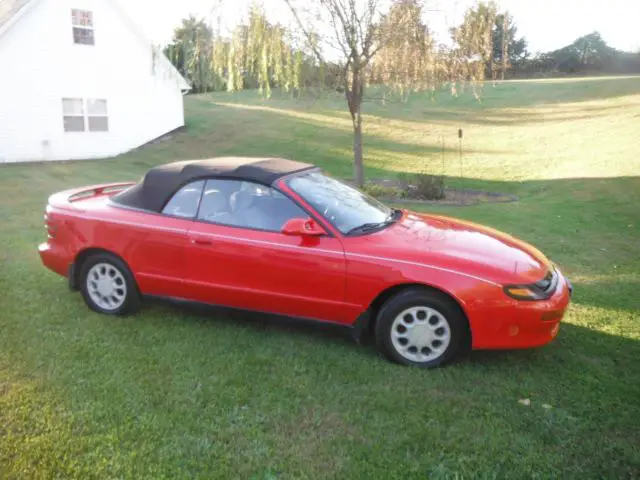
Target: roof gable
162	58
12	10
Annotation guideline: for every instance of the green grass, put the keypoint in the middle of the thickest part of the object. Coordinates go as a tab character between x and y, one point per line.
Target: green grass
184	393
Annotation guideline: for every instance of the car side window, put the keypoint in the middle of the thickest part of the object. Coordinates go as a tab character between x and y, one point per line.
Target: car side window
185	201
248	205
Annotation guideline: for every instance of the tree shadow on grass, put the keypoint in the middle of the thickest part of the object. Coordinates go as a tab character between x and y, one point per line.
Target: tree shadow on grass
522	102
525	93
505	94
457	116
519	103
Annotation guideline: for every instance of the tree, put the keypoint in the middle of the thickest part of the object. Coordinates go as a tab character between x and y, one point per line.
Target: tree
507	50
261	54
268	55
473	52
189	51
594	51
350	30
406	59
257	54
587	53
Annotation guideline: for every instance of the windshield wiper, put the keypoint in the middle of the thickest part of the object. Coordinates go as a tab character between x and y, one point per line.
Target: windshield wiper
367	227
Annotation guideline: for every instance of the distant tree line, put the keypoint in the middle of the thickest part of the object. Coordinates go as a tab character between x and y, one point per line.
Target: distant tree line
587	55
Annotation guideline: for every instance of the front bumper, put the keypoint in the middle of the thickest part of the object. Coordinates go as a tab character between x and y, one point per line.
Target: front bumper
516	324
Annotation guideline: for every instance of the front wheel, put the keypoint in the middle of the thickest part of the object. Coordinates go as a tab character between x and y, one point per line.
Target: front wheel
420	327
108	286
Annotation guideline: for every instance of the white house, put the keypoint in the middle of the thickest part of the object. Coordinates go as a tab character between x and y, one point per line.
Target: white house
79	80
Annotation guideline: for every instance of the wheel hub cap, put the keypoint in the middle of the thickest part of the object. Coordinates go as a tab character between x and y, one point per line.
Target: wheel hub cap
106	286
420	334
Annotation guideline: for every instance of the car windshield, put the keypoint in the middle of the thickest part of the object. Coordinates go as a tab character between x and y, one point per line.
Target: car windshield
348	209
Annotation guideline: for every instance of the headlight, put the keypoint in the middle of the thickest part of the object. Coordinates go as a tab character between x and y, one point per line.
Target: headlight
523	292
540	290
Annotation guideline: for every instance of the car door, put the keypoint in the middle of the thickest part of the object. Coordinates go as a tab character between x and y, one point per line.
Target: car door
238	256
155	246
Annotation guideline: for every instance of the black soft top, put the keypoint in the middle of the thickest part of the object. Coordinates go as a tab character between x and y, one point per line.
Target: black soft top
161	182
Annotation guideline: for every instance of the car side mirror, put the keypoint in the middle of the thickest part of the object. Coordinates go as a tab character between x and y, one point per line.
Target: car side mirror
303	227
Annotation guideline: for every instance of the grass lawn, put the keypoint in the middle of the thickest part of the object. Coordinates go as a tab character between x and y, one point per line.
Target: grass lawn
183	393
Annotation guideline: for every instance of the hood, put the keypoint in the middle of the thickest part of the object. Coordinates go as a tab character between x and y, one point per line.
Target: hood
459	245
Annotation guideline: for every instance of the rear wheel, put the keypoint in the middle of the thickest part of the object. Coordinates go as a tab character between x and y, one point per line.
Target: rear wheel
420	327
108	286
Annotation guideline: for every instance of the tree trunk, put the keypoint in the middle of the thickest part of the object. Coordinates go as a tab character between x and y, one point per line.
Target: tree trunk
358	165
505	45
353	93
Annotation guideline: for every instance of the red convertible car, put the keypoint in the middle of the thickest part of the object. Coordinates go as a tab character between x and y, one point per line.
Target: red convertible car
279	236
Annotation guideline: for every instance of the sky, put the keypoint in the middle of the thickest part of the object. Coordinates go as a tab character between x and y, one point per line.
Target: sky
547	24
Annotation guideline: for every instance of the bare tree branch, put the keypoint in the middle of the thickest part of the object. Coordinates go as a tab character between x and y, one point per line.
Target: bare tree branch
343	46
307	34
335	8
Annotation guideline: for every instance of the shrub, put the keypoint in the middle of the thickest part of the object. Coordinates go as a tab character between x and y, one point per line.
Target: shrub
383	191
422	186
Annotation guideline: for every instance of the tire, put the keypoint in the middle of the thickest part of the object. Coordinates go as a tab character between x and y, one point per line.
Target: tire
107	285
420	327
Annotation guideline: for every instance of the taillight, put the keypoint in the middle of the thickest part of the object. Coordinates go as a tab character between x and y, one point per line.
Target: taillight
49	227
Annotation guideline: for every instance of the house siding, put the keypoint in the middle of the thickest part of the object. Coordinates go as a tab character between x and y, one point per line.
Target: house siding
42	65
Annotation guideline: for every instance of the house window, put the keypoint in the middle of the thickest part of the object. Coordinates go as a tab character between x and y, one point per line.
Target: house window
97	115
82	115
82	21
73	112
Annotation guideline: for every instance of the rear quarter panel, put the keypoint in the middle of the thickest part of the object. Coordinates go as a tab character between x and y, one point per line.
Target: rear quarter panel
152	245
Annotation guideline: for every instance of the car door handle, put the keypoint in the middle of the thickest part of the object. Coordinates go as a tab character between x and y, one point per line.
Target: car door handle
201	241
